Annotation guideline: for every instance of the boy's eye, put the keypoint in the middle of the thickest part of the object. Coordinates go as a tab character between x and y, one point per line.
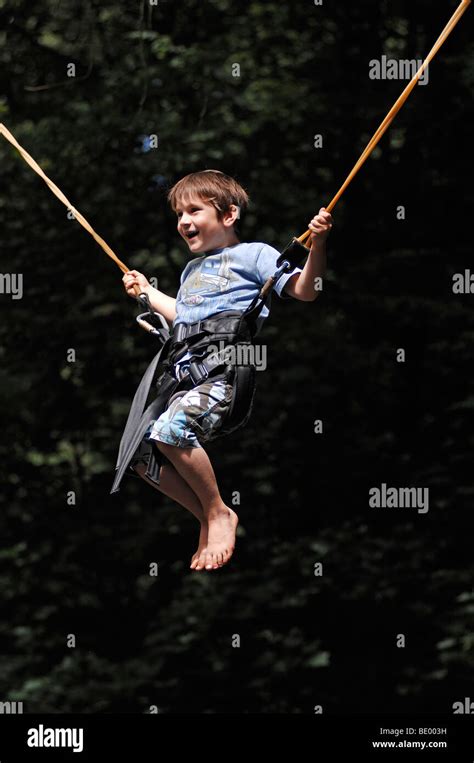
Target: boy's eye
193	209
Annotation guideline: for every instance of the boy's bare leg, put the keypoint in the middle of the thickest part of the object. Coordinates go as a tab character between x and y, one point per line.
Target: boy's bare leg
175	487
194	466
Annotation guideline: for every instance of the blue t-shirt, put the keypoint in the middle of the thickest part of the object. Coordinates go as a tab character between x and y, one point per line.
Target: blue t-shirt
228	279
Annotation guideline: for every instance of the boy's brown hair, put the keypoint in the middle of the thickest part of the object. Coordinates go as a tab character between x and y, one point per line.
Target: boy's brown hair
214	187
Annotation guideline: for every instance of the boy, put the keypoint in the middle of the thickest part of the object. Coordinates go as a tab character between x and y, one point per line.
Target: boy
226	276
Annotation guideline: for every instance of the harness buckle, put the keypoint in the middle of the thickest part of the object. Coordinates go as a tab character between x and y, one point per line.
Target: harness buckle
198	372
184	330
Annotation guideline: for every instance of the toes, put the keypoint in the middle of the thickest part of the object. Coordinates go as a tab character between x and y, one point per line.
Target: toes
199	563
194	559
210	560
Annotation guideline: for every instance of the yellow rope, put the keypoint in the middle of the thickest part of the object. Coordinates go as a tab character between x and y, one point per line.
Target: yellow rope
395	109
57	192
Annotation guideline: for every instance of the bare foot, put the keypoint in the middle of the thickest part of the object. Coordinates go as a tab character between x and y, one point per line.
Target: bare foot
222	526
201	545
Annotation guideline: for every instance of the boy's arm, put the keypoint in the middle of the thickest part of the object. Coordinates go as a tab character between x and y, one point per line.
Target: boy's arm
162	303
302	285
158	300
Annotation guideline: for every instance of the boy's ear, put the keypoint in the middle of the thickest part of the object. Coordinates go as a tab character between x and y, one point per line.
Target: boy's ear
232	214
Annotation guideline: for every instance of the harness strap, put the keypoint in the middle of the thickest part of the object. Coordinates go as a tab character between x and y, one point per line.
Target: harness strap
200	370
189	334
139	416
229	327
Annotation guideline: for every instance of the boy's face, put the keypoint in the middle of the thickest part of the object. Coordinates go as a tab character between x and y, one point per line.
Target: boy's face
200	227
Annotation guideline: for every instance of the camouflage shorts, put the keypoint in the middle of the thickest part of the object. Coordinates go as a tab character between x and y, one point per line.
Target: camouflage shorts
193	416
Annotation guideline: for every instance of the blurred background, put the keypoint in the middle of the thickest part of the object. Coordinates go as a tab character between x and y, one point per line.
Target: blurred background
156	94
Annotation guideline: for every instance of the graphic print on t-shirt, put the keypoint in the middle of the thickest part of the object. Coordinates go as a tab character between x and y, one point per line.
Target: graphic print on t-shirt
210	276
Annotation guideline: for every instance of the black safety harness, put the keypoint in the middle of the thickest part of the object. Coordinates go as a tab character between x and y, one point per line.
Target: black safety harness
200	339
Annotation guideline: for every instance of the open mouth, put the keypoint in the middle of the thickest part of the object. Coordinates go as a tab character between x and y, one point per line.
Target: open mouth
191	234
